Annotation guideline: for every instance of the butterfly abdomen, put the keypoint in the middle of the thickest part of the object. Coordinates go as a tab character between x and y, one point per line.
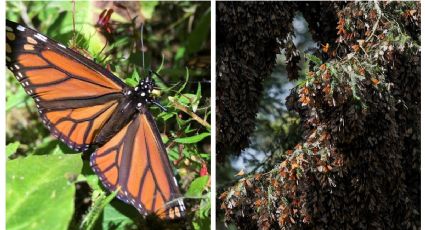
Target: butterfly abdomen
122	115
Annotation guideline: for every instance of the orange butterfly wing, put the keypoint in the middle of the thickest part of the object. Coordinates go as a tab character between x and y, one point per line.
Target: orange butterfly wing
74	96
78	100
135	161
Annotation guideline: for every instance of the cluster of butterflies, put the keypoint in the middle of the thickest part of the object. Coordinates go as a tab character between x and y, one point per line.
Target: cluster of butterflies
86	107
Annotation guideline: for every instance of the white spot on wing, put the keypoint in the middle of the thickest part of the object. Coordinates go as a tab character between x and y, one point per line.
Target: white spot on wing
9	29
61	45
20	28
16	66
41	37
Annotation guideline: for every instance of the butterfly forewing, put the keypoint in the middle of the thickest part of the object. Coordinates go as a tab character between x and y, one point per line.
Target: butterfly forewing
74	95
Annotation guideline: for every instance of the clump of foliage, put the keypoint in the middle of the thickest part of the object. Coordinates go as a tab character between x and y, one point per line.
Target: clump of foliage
358	166
50	185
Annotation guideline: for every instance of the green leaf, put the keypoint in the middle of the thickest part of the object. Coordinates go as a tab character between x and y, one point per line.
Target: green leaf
185	82
206	156
314	59
180	53
130	82
49	145
11	148
113	217
188	129
197	187
90	177
166	115
186	98
134	79
173	153
84	23
192	139
39	194
16	99
148	8
57	23
202	218
195	104
99	203
192	100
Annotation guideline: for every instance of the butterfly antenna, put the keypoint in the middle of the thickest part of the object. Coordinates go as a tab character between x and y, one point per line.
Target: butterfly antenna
143	48
73	22
158	76
155	102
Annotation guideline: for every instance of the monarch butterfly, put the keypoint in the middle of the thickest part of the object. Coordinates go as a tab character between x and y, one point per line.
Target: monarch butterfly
84	105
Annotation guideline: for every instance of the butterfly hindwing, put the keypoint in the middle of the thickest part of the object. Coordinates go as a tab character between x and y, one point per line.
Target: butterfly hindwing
135	161
74	95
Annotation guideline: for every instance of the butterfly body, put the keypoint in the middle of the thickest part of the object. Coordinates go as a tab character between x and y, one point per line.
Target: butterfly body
132	102
84	105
